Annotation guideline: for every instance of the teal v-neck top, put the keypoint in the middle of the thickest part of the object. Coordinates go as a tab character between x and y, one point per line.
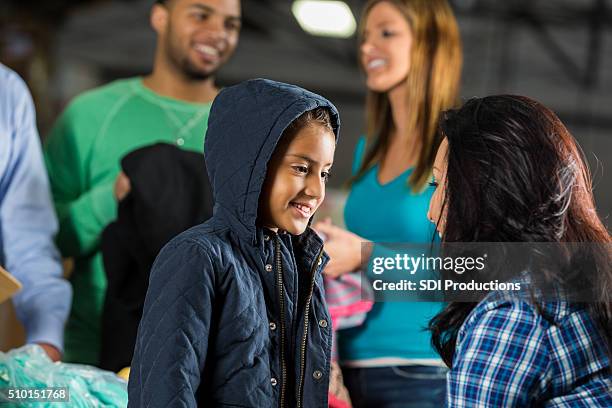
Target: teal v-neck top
389	213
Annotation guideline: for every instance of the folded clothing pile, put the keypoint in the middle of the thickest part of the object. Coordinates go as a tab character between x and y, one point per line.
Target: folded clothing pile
29	367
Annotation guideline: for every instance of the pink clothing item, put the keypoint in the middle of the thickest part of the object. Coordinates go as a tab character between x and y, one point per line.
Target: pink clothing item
348	301
335	402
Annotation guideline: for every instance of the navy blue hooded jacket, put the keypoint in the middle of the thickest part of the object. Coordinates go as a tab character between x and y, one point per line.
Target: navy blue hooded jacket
235	314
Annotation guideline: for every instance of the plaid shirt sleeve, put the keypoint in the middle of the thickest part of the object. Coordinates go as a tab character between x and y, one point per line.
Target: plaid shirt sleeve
501	357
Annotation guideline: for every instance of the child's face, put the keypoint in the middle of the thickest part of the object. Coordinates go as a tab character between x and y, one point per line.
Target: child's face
295	183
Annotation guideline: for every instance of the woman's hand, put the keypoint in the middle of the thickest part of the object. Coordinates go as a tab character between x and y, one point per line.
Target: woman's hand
343	248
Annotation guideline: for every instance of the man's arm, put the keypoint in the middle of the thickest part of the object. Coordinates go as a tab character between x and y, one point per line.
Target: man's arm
28	226
83	211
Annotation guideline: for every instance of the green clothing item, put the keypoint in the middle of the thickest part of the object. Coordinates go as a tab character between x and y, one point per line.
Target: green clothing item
83	153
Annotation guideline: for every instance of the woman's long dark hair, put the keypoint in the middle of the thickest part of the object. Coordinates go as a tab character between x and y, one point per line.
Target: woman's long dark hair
515	174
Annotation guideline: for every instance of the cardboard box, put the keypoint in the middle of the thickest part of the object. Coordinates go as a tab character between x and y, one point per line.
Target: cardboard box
8	285
11	331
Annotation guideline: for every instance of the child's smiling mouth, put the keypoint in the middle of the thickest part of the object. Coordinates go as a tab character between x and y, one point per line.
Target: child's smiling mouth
304	210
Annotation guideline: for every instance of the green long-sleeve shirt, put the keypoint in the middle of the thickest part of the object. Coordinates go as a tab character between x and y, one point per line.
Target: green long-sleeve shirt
83	153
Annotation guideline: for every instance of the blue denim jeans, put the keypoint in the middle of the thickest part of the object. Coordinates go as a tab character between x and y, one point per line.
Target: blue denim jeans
396	386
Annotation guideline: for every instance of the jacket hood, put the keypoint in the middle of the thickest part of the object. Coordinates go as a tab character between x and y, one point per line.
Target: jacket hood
245	125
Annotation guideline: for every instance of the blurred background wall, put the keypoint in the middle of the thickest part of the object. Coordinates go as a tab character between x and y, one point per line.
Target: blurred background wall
556	51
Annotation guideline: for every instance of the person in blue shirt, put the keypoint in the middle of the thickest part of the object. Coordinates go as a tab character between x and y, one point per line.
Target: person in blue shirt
28	222
509	171
411	55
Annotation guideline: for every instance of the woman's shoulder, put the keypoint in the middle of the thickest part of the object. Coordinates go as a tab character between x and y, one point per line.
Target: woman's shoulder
361	143
520	319
521	306
497	313
359	153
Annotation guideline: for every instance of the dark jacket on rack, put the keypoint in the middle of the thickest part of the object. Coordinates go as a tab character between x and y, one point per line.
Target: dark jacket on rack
169	194
235	314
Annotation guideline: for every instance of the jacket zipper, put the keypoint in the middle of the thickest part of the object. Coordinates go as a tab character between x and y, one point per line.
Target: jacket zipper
281	295
304	337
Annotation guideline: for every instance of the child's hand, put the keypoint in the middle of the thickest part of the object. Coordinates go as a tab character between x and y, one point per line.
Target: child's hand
343	248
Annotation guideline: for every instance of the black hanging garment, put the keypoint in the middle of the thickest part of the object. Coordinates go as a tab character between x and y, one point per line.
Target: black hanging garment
170	193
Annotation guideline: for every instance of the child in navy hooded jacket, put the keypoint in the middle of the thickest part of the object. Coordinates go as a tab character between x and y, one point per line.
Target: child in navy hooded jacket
235	312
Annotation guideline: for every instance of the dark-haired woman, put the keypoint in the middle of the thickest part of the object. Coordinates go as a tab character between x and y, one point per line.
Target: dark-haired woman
509	171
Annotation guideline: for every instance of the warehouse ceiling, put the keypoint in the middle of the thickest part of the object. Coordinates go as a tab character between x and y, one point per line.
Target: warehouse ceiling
556	51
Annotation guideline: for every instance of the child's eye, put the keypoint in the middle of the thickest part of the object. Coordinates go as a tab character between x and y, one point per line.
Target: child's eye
387	33
326	175
433	184
300	169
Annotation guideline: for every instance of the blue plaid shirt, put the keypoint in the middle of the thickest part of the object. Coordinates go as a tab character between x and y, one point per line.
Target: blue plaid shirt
509	354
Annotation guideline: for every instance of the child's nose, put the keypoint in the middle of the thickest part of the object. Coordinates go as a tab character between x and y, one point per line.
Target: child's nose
315	187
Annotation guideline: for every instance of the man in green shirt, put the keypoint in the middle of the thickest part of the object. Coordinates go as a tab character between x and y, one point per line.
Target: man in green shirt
84	148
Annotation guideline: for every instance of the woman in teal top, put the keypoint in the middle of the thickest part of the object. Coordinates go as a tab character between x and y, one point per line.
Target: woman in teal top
411	55
393	213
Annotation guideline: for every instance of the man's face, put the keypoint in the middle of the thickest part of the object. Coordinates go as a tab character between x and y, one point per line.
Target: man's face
198	36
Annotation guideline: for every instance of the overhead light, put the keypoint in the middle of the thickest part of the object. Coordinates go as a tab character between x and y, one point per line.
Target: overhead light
324	18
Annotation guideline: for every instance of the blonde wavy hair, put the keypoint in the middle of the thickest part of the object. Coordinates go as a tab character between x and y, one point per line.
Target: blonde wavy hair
433	81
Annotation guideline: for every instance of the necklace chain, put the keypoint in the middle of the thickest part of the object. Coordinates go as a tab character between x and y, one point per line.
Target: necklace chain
183	127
